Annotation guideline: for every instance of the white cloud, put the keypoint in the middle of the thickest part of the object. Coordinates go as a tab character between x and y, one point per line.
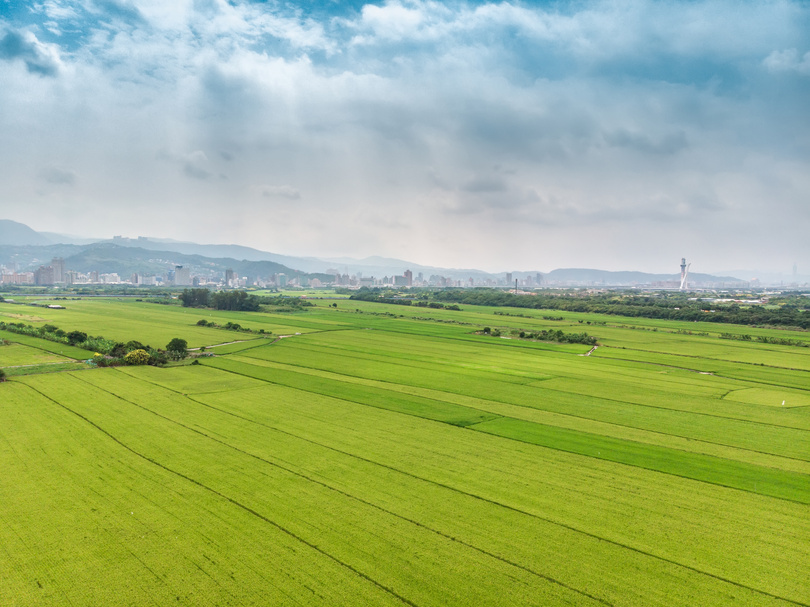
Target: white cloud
788	61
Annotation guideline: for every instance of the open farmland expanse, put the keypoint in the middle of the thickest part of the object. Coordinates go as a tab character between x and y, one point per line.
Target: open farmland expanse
381	454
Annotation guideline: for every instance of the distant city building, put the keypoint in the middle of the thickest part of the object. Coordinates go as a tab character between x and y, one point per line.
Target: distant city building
14	278
58	265
281	280
182	276
230	277
408	278
508	278
43	275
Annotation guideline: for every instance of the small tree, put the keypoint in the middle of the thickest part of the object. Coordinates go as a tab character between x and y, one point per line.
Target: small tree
177	348
2	375
76	337
137	357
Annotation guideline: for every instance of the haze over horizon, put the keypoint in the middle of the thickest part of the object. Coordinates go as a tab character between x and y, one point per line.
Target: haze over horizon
500	136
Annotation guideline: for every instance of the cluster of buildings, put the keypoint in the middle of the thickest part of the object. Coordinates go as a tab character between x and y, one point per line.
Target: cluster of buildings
407	279
56	273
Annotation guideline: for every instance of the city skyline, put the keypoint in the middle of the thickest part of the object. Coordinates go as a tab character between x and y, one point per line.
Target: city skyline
508	136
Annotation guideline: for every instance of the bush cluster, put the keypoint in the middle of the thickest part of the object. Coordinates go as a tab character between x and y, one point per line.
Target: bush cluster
231	326
548	335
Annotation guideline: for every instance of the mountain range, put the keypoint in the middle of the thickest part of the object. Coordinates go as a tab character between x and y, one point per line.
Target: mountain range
25	249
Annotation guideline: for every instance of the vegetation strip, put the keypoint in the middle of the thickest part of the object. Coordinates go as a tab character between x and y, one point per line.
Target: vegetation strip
230	500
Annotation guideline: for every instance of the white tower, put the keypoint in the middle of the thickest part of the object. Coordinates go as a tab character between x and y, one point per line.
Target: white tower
684	273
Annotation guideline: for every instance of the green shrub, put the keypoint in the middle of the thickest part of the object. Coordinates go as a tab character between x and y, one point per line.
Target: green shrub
137	357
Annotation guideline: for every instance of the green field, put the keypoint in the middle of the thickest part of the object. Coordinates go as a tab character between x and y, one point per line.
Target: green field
381	454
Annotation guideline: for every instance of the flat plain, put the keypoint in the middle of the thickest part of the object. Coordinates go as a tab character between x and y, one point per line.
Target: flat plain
372	454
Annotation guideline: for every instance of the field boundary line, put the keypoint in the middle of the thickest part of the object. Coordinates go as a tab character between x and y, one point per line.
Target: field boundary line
738	419
231	500
736	362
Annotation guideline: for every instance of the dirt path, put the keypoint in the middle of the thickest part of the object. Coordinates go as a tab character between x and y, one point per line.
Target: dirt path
227	343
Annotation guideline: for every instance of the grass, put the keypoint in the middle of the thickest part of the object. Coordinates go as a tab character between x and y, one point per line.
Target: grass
16	354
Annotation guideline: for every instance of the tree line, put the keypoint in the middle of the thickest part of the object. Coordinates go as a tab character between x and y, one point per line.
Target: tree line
788	313
237	301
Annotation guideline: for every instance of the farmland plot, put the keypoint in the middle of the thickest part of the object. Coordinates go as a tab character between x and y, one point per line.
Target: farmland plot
375	460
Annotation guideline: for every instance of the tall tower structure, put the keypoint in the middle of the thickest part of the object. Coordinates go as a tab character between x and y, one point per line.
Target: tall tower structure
684	273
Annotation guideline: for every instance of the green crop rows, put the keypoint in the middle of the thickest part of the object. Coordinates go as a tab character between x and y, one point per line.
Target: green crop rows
376	455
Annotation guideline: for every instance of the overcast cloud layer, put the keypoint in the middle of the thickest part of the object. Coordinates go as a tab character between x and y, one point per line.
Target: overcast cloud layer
505	136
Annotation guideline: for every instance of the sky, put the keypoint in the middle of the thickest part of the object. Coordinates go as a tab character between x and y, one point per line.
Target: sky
503	136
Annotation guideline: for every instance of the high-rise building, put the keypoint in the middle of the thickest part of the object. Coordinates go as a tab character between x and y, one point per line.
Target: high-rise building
408	278
182	276
43	275
58	265
508	278
230	277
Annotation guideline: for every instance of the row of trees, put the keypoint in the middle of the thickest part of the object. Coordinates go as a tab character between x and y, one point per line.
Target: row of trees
234	301
238	301
107	352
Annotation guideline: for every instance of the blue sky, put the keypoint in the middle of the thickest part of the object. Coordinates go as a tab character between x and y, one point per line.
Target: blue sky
505	136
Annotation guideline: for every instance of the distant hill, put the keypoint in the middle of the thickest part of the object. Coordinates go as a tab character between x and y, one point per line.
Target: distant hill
26	249
582	276
126	260
220	251
13	233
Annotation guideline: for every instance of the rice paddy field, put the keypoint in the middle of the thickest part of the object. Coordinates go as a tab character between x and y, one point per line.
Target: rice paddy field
372	454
